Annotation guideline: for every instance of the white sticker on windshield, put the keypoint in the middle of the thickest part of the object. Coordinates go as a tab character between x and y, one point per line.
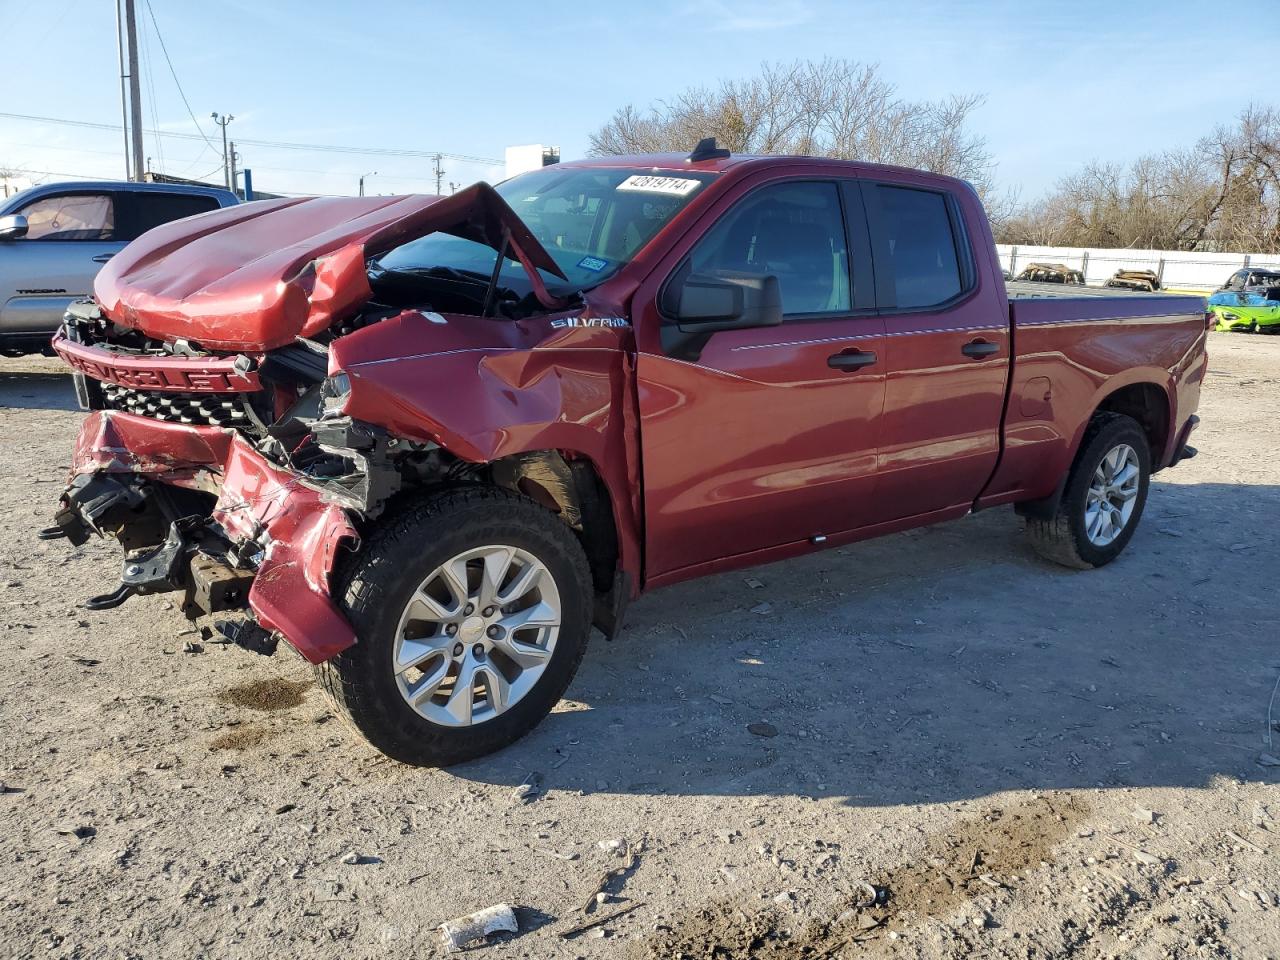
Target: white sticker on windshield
673	186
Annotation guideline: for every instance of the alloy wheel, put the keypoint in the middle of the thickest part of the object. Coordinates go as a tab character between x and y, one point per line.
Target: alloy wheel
476	635
1112	493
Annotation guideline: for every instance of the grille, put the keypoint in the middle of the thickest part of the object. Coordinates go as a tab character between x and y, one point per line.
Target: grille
201	409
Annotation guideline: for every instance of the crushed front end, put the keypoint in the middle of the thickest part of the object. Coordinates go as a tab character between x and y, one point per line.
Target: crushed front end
204	467
260	390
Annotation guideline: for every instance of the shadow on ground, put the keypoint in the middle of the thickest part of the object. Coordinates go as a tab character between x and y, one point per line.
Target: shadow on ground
36	391
943	664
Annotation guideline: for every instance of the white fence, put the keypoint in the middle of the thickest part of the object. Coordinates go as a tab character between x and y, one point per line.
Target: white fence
1176	269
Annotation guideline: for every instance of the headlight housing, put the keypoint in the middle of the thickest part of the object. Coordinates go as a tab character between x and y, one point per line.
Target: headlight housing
334	392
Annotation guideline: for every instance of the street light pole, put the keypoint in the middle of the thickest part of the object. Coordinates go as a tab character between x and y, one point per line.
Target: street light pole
371	173
226	154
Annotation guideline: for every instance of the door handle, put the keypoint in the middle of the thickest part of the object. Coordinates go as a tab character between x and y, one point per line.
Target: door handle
977	349
851	359
103	257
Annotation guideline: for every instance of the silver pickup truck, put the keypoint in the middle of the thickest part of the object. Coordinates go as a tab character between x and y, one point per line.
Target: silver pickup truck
54	238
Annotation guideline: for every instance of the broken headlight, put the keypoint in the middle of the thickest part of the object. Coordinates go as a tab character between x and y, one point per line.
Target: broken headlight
334	392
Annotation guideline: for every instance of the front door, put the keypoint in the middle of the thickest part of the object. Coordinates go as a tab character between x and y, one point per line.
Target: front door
769	436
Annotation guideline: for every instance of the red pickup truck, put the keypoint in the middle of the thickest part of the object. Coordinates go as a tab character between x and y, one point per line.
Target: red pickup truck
431	441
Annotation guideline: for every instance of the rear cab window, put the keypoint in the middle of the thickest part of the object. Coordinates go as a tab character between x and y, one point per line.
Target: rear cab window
922	256
141	211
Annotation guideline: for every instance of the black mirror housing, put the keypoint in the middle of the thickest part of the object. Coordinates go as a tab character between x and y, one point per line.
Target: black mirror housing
705	304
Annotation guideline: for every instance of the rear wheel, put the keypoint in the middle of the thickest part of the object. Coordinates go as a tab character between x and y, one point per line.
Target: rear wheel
1102	502
473	612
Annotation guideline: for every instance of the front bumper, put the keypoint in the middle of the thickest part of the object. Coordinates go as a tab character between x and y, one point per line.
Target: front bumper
292	532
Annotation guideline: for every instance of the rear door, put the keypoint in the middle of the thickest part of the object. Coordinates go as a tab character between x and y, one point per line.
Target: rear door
947	349
769	436
69	236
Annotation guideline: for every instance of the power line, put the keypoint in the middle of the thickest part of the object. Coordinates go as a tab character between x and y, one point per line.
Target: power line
192	161
151	96
280	144
174	73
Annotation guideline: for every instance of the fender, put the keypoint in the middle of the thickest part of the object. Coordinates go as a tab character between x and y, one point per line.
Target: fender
1046	507
502	388
1162	380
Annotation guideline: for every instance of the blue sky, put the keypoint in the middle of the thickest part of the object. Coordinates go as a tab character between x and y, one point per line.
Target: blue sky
1063	83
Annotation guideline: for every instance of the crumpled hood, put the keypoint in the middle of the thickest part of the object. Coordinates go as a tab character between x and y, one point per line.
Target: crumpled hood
255	276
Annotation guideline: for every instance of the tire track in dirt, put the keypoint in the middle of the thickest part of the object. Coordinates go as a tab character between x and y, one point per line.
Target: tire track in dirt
971	858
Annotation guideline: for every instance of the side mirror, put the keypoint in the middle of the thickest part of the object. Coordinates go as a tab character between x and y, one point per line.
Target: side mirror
13	227
702	305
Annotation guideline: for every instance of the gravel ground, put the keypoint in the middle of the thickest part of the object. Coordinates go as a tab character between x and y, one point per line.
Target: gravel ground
1022	760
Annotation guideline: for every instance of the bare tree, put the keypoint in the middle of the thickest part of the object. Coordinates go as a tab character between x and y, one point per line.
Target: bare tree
1223	193
832	107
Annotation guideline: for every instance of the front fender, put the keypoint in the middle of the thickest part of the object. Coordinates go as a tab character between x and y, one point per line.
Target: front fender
573	393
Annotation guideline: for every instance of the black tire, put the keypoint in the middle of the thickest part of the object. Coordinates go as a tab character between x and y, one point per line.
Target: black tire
377	585
1063	537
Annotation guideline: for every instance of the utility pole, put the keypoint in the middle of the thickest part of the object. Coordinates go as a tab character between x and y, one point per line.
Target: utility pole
371	173
439	173
226	154
124	90
127	41
234	181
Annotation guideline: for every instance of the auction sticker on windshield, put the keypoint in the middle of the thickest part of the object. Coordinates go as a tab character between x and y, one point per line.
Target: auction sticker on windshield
673	186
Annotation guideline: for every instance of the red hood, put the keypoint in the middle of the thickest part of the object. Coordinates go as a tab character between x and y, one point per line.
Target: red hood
255	276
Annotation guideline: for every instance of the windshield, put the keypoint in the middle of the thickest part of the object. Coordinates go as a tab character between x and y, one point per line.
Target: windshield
592	222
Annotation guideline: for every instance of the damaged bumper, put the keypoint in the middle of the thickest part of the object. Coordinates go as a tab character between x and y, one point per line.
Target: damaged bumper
267	531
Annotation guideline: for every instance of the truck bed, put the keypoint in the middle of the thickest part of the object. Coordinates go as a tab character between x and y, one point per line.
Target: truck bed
1036	304
1024	289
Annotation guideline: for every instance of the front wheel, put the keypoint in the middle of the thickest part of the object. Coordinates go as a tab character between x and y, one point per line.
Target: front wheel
1103	498
472	610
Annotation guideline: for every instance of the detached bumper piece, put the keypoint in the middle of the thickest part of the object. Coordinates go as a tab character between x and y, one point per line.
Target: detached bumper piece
90	501
246	634
266	547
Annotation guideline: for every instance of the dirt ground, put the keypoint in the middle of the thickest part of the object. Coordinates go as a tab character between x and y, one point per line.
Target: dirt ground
970	753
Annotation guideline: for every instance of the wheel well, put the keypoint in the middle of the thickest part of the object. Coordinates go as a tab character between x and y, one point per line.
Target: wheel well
572	488
1146	403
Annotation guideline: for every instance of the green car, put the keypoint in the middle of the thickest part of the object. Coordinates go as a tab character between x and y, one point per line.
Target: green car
1250	300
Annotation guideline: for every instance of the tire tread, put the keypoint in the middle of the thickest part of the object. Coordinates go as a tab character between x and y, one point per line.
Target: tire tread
362	587
1054	538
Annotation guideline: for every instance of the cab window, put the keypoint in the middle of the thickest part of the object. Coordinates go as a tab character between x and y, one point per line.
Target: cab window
73	216
924	265
794	231
144	210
